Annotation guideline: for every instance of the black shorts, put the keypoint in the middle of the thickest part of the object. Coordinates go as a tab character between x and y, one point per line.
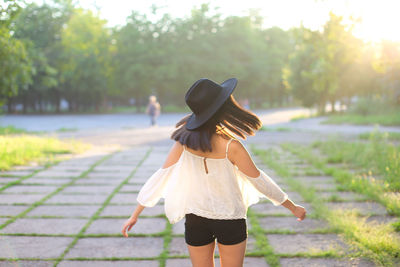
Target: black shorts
200	231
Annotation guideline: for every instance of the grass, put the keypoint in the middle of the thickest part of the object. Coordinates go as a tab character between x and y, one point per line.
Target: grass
42	200
11	130
261	241
376	190
300	117
392	136
382	119
275	129
97	213
377	157
377	242
23	149
64	129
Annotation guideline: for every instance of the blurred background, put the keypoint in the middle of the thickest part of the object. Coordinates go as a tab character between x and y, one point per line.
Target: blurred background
65	56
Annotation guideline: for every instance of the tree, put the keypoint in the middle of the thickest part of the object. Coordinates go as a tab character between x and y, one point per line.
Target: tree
85	67
319	63
15	65
40	27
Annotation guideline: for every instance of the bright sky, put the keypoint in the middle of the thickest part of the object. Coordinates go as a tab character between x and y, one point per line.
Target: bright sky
380	18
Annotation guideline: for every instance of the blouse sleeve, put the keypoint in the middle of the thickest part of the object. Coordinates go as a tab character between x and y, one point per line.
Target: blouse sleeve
154	188
266	186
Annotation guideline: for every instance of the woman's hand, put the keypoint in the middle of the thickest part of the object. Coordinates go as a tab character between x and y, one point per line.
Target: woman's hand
299	212
128	225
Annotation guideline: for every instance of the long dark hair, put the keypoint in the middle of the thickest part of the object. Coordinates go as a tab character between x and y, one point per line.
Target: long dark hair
230	119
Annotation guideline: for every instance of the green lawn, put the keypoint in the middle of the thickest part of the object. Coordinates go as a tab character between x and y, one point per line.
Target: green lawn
381	119
17	147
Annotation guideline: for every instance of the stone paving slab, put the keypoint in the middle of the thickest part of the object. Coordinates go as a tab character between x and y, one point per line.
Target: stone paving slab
178	263
248	262
63	198
108	175
346	196
178	247
96	263
26	263
20	198
303	243
115	168
81	161
31	189
140	180
45	226
46	181
251	244
93	189
270	209
64	210
12	210
130	188
291	224
15	173
323	186
114	226
3	220
69	168
124	198
39	247
324	262
296	197
4	180
54	174
179	227
365	208
127	210
98	181
316	178
109	247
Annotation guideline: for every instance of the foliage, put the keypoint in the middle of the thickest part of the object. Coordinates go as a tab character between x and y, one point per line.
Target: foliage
55	51
319	65
15	65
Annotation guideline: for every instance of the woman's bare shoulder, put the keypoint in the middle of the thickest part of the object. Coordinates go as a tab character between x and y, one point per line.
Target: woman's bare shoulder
173	155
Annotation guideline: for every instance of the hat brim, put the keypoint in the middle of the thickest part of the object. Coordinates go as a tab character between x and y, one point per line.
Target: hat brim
195	121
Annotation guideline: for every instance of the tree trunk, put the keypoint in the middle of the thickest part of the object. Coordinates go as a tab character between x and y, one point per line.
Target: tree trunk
321	107
10	105
24	103
333	106
57	102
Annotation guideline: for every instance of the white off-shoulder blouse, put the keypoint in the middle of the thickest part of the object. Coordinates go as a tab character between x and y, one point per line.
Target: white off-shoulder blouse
208	187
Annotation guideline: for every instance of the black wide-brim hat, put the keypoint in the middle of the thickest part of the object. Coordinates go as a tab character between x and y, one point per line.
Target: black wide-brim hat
204	98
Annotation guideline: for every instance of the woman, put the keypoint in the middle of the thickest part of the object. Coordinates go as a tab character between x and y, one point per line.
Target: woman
209	177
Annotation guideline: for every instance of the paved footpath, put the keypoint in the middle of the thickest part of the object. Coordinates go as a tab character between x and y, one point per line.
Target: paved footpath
71	214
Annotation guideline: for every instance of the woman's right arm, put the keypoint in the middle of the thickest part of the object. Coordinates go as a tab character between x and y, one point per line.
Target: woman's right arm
239	156
152	190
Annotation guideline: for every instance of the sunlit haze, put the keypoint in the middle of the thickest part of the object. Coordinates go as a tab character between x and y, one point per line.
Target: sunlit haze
379	19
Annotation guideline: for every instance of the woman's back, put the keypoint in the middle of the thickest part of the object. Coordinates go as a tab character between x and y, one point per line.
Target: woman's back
218	144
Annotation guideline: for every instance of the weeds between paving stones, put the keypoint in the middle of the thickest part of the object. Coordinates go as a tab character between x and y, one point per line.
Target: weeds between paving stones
96	215
375	241
42	200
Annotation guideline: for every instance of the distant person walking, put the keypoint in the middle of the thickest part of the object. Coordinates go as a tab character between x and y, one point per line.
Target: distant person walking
153	110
